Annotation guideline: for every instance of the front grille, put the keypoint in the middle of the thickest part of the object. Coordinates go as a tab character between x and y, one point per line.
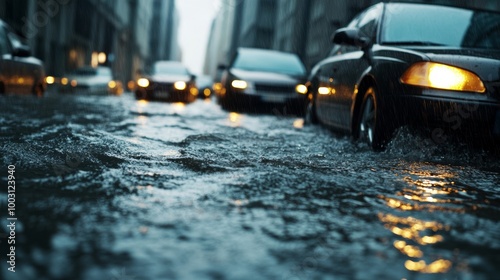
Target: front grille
163	86
275	88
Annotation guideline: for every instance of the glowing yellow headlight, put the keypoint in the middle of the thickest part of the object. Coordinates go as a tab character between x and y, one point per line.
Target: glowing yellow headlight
441	76
239	84
143	82
302	89
112	84
64	81
207	92
180	85
323	90
50	80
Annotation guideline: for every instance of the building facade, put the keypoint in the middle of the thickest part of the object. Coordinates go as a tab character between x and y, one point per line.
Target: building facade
218	50
67	34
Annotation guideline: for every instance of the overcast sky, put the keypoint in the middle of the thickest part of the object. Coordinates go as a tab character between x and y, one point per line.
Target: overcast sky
195	20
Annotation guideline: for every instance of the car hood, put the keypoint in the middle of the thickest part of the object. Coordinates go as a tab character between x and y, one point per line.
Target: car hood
162	78
485	63
260	76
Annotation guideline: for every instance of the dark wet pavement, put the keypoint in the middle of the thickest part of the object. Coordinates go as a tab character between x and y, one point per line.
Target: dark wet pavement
114	188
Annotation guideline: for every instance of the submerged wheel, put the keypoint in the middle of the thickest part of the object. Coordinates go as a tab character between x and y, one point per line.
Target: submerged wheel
371	128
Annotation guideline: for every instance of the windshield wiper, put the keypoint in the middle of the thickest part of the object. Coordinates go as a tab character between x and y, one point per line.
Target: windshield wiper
413	43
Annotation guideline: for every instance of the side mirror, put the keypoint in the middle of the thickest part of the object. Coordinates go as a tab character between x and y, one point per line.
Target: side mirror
21	51
351	37
193	77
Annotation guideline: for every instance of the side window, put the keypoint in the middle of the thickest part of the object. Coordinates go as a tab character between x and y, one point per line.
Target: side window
4	42
368	22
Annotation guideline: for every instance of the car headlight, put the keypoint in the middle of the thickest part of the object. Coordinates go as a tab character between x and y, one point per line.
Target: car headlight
50	80
112	84
180	85
143	82
442	76
64	81
300	88
239	84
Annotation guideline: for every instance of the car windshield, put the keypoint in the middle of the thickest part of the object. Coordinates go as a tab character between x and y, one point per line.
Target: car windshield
170	68
256	60
85	72
429	25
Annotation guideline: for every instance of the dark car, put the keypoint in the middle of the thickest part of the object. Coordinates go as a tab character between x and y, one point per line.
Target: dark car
19	71
401	64
91	80
169	81
257	76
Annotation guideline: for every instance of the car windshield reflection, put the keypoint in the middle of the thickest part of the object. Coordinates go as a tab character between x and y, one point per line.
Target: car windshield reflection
421	24
255	60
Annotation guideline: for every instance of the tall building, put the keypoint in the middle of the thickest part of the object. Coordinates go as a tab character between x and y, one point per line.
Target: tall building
141	13
162	20
258	23
324	18
291	26
67	34
175	52
218	50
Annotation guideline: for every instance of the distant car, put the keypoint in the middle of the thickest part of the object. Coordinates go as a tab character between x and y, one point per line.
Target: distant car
257	76
400	63
205	86
90	80
19	71
169	81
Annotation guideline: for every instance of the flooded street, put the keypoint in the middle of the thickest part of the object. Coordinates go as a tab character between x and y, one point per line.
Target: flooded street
114	188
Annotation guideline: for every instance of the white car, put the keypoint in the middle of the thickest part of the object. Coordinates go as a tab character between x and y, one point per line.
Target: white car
91	80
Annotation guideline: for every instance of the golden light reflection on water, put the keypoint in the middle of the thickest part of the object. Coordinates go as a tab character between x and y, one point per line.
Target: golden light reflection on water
424	191
235	119
421	233
438	266
142	119
298	123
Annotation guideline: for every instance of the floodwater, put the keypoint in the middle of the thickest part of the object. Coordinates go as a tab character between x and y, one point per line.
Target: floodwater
113	188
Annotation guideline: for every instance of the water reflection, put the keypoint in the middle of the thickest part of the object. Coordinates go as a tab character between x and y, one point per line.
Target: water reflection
422	191
235	119
298	123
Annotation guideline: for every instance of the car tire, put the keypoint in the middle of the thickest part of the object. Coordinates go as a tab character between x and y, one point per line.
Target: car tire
371	128
311	116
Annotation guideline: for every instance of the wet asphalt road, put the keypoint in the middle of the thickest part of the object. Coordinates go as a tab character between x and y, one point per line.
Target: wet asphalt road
114	188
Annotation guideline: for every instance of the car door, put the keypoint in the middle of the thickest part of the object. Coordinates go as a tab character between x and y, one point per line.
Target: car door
342	74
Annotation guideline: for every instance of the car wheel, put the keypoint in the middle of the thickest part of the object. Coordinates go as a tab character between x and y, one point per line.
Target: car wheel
371	128
38	90
310	115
